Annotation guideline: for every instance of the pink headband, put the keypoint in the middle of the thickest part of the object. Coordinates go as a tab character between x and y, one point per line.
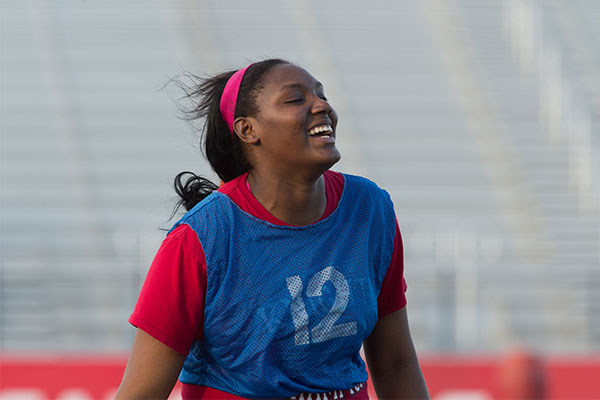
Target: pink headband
230	95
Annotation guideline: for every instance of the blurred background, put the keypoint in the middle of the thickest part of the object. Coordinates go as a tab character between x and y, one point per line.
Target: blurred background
480	118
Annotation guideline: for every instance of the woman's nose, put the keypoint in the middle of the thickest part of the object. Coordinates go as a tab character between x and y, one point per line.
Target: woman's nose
321	106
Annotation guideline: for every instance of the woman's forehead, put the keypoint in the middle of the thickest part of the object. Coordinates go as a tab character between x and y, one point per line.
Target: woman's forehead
286	75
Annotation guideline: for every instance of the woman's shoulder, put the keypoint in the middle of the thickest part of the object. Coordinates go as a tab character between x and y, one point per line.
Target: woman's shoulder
209	211
213	201
362	183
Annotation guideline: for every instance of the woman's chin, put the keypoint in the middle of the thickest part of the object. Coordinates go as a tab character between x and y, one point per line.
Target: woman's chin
329	160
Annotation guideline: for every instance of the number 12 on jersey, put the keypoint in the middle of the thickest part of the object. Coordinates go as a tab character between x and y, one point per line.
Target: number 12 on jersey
326	329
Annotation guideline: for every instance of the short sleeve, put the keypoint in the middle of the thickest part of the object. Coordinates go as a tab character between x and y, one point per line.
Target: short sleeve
170	306
392	296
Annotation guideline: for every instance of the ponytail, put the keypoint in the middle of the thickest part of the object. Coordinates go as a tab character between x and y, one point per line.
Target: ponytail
193	191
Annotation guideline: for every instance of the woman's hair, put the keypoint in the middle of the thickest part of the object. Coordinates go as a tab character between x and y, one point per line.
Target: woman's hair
222	148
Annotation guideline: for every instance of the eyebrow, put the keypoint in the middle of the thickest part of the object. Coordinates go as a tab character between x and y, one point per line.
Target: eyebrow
301	86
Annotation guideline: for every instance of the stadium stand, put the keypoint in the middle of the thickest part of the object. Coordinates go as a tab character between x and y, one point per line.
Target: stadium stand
480	118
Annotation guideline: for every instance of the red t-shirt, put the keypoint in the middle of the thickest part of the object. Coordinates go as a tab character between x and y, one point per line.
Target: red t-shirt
177	279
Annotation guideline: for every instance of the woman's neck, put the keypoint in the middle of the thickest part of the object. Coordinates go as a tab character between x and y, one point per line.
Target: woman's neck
294	200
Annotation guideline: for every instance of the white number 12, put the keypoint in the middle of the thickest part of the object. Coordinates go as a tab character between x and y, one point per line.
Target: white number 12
326	328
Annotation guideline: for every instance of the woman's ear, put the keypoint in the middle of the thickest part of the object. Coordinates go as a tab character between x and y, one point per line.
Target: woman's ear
243	127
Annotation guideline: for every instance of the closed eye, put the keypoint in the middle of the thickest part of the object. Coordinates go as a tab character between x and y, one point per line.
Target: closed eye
298	100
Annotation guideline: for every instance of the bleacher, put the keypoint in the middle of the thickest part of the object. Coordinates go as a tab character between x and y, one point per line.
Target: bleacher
480	118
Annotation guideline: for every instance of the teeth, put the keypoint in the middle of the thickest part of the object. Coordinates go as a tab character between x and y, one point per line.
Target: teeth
320	129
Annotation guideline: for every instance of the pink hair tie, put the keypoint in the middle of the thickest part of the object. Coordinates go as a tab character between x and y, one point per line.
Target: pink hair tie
229	97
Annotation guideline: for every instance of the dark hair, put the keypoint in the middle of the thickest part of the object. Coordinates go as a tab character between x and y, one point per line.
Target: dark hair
222	149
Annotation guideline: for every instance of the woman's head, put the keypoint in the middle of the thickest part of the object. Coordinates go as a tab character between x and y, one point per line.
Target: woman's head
292	131
276	107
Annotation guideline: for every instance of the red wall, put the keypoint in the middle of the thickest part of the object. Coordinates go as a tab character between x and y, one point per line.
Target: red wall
448	377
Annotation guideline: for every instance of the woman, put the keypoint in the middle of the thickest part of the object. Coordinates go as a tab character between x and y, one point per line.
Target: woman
269	286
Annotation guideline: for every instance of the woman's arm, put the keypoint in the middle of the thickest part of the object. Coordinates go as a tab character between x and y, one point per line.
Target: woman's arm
152	369
392	359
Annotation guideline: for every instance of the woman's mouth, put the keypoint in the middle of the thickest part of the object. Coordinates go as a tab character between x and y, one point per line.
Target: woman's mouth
324	130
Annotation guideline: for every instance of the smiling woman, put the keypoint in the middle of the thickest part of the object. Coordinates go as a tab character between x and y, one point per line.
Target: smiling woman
268	286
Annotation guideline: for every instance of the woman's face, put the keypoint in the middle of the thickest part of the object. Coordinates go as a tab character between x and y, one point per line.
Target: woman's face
295	123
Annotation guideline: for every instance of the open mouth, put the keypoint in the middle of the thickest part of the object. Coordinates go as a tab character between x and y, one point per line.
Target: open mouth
321	130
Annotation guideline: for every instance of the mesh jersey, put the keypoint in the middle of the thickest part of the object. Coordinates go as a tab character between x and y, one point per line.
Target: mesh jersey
177	278
287	308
